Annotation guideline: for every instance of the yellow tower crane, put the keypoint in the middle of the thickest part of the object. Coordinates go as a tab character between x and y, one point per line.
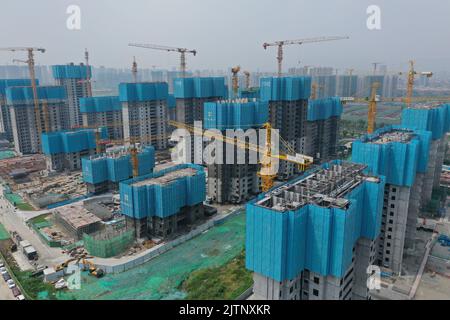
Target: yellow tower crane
281	44
182	52
372	113
235	80
315	89
30	62
88	74
267	173
410	83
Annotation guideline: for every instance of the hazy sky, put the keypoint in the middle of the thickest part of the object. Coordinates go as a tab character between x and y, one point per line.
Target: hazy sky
231	32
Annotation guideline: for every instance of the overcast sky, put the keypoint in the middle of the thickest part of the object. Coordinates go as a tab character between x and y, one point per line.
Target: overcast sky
231	32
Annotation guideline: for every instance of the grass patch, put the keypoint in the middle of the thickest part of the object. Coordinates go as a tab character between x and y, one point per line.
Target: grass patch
4	234
25	207
39	219
225	282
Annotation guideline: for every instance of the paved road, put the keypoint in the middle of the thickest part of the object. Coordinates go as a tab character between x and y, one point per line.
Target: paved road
13	222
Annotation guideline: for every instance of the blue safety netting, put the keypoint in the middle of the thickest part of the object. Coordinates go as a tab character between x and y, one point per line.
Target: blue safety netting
322	109
162	200
285	89
143	91
70	141
100	104
15	95
235	115
5	83
115	167
434	119
399	162
199	87
280	245
70	71
171	101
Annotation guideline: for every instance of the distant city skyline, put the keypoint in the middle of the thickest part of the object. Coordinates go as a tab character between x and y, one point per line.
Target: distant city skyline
228	33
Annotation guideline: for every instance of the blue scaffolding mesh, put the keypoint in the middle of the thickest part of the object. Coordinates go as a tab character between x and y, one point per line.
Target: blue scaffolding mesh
280	245
199	87
434	119
100	104
285	89
144	91
322	109
71	71
16	95
5	83
162	200
397	161
70	141
235	115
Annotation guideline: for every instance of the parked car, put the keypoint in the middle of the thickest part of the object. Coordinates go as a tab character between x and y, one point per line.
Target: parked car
15	291
6	276
2	265
20	297
3	270
11	284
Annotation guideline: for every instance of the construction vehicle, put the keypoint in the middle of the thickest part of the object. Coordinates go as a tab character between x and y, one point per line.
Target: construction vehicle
30	62
93	270
281	44
267	173
65	264
410	84
182	52
235	80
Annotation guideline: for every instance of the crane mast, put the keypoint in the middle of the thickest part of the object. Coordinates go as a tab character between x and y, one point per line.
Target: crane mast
372	108
235	71
88	74
134	70
281	44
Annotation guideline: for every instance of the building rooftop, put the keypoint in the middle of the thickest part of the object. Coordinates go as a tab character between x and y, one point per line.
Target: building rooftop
167	178
393	136
77	216
325	187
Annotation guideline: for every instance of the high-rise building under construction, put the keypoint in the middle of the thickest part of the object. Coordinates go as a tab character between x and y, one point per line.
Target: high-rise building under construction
235	179
144	113
76	81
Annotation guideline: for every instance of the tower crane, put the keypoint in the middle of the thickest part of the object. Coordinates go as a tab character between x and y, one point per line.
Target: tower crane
134	70
30	62
266	172
235	80
372	113
182	52
247	79
281	44
88	74
410	85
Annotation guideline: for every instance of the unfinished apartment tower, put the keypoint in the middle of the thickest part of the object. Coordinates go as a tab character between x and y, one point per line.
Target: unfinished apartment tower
144	113
75	79
5	115
402	156
64	150
288	106
235	179
313	238
191	94
322	128
164	203
53	114
103	112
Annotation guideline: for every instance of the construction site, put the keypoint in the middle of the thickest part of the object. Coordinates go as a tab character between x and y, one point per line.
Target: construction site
99	201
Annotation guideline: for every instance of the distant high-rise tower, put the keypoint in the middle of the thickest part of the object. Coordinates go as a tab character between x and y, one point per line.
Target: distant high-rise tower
144	112
23	117
74	79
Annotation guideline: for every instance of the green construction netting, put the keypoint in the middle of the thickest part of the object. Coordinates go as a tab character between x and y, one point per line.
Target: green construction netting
161	277
7	154
108	247
4	234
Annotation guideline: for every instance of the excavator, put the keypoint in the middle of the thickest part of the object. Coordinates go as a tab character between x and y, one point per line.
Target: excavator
93	270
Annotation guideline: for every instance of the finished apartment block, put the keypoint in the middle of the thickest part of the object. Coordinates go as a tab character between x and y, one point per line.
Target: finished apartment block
313	238
103	112
144	113
236	179
75	80
52	113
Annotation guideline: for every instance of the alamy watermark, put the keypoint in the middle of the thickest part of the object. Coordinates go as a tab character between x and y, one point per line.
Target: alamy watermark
374	277
374	19
230	146
73	21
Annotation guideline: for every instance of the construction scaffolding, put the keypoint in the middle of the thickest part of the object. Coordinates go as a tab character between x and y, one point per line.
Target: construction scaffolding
108	244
